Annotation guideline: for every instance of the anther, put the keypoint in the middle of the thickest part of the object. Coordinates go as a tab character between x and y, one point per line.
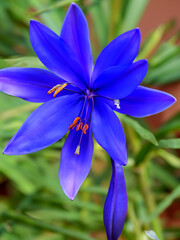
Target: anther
74	123
77	150
79	126
57	89
85	128
117	103
54	89
60	89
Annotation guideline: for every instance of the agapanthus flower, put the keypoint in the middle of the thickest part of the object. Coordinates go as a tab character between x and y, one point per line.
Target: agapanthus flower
81	99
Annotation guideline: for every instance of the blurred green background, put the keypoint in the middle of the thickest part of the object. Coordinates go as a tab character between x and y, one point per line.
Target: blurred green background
32	204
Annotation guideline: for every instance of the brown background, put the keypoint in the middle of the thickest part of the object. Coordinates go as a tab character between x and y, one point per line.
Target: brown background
158	12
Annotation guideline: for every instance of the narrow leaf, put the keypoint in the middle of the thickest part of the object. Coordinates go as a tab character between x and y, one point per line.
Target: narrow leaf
152	41
170	158
134	11
167	72
164	204
170	143
143	132
54	6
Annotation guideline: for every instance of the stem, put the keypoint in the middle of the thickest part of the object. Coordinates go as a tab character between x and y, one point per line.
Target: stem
114	18
149	200
134	220
135	144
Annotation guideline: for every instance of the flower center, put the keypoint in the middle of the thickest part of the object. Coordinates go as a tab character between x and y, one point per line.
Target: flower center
82	121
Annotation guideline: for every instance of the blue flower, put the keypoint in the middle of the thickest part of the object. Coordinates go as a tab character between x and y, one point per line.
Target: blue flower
115	208
81	99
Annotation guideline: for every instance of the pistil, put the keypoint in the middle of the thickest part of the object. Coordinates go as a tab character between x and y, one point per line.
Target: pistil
77	150
117	103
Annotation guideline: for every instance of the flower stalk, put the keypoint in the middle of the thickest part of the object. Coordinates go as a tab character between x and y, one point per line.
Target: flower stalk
149	199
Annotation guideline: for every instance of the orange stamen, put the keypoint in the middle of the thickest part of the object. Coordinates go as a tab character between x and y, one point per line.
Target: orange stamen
60	89
85	128
79	126
54	89
74	123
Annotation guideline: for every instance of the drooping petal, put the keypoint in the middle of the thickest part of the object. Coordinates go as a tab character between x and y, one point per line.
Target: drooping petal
121	51
56	55
116	83
108	131
74	169
76	34
31	84
145	102
45	126
115	208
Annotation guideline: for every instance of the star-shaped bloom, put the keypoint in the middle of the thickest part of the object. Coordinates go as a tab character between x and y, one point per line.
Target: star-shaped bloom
81	99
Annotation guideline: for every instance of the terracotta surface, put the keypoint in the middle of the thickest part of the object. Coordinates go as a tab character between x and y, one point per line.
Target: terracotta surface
158	12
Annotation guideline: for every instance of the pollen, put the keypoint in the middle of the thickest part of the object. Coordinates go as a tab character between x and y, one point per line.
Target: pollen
79	126
56	89
76	120
85	128
77	150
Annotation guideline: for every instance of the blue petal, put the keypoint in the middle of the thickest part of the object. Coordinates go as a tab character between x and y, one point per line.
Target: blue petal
116	83
108	131
121	51
115	208
31	84
56	55
45	126
76	34
145	102
74	169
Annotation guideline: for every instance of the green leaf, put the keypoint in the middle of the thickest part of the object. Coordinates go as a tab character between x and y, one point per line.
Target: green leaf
21	62
94	189
170	143
163	175
167	72
164	204
134	11
116	9
100	22
169	157
22	219
152	41
172	125
17	109
54	6
143	132
10	169
165	52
